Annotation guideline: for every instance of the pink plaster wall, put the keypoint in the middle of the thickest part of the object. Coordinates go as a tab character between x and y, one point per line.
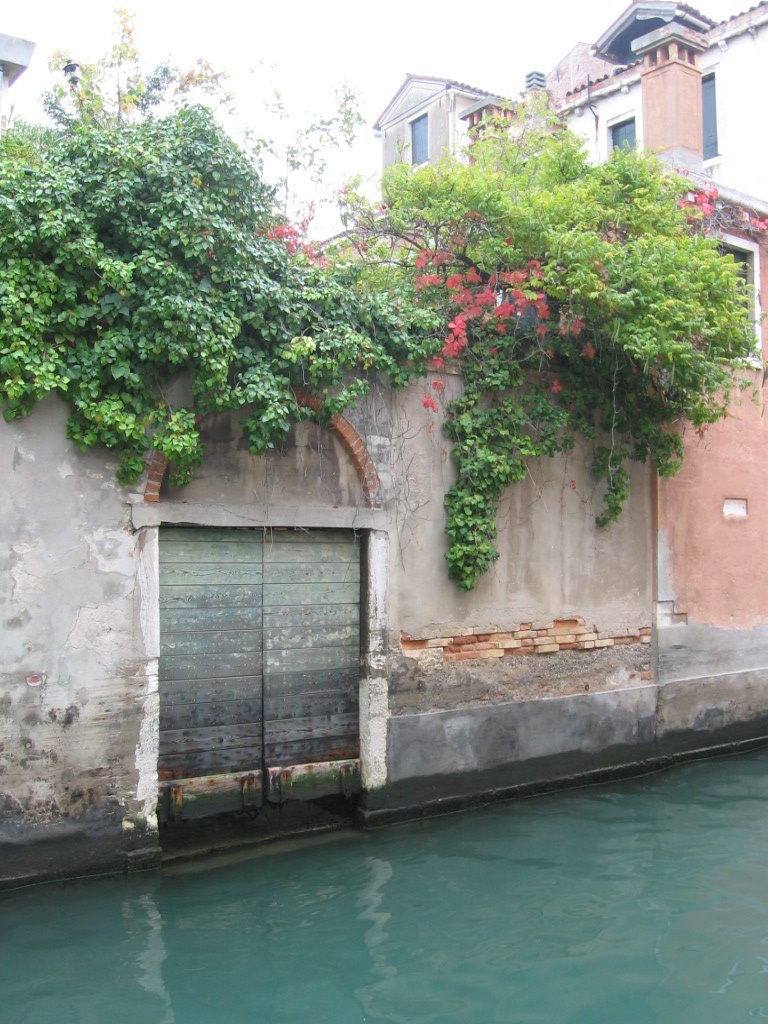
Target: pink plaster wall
716	569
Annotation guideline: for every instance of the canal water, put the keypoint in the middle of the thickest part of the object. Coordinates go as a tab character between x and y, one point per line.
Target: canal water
644	902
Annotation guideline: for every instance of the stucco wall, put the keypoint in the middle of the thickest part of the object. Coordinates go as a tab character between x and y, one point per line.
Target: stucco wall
447	132
553	562
610	106
78	705
741	72
74	673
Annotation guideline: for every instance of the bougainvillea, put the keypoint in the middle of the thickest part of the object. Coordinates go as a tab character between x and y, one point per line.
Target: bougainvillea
577	300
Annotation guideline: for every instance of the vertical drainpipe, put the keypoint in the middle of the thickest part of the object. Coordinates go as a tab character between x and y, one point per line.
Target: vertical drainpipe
3	91
451	122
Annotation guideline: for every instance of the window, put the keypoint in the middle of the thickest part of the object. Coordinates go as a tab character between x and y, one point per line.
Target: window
420	140
709	116
746	256
623	135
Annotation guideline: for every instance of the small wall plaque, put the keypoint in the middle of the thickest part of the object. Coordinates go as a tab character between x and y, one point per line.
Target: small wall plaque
735	508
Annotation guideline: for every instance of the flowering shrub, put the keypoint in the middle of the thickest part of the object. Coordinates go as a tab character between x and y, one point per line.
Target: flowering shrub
576	299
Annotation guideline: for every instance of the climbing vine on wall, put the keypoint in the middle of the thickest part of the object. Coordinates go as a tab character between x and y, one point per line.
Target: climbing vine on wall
148	280
578	300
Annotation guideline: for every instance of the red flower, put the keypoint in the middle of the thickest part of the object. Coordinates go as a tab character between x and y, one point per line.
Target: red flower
573	485
453	281
422	259
513	276
556	386
438	362
429	403
589	351
426	280
438	385
472	276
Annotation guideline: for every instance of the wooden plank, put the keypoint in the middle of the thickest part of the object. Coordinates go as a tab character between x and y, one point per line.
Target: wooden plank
315	554
193	620
209	666
210	534
205	573
313	615
310	660
211	551
225	641
310	593
319	704
288	637
212	596
307	740
298	535
292	730
310	781
211	762
315	681
212	737
199	691
208	713
312	572
210	794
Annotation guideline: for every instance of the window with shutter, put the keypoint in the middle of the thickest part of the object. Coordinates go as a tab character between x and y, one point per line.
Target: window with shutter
623	136
419	140
709	116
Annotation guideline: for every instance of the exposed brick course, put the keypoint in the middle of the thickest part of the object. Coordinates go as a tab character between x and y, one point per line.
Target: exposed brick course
570	634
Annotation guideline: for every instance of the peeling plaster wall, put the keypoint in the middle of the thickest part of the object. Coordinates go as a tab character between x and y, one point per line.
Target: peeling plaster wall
74	671
554	562
79	697
712	616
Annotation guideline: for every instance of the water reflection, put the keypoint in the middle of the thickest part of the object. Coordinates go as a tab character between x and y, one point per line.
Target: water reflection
152	954
642	902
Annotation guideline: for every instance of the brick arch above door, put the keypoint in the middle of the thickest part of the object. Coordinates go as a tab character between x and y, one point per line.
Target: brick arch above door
348	437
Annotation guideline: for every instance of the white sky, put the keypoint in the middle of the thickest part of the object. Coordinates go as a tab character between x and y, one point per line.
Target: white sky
306	47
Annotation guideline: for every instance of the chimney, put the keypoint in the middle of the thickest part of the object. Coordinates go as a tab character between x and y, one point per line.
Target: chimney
535	80
671	91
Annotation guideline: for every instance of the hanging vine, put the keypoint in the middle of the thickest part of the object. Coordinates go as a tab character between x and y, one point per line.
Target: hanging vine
578	300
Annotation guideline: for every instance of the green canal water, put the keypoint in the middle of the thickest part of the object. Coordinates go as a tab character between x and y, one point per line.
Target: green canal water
637	903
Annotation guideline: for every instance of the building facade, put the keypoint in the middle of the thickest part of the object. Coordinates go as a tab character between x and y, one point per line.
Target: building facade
283	628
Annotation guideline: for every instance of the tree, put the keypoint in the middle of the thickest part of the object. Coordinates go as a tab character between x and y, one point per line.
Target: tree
578	299
136	253
117	88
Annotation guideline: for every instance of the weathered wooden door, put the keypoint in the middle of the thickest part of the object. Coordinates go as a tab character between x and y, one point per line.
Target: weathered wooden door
259	666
